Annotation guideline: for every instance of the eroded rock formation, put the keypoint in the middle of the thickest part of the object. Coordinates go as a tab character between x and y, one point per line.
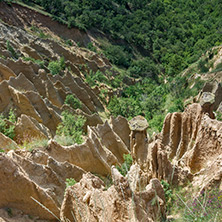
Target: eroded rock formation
89	201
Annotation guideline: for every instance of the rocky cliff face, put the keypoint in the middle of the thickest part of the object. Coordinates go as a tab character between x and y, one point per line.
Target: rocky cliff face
34	182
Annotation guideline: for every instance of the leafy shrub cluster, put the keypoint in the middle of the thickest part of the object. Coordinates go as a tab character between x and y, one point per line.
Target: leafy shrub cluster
153	100
11	50
70	130
70	182
56	67
92	78
73	102
37	61
5	128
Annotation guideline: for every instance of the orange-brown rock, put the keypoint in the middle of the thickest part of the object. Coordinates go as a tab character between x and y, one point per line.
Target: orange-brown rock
91	155
16	190
6	143
139	140
5	72
111	140
88	201
27	129
121	128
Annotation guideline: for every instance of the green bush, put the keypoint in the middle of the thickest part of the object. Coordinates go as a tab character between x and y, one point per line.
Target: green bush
167	190
73	102
144	68
91	47
93	77
118	56
71	127
11	49
219	116
56	67
125	167
202	66
37	61
70	182
8	130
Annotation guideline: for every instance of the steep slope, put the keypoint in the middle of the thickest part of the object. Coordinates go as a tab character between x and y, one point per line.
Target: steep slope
38	71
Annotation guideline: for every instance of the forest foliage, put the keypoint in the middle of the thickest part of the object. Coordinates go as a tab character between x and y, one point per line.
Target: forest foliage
171	33
152	41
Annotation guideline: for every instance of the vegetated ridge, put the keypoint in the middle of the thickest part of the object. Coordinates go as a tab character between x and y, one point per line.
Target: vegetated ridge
59	85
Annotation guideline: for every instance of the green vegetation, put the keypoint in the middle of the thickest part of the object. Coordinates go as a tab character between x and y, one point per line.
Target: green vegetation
171	33
154	100
73	102
56	67
94	78
125	167
91	47
219	116
11	50
70	182
206	206
152	41
30	144
6	127
70	130
37	61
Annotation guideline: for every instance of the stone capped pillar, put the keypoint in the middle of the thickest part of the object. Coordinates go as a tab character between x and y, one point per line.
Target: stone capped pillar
139	140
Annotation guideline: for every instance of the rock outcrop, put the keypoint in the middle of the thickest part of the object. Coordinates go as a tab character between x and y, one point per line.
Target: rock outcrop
34	182
88	199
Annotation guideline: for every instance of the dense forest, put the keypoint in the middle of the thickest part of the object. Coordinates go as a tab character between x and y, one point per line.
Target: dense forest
150	40
172	33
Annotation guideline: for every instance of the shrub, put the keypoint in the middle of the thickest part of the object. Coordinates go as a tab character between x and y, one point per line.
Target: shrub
73	102
69	42
71	127
92	78
219	116
29	143
37	61
128	160
70	182
202	66
117	55
8	130
11	49
42	35
91	47
56	67
144	68
167	191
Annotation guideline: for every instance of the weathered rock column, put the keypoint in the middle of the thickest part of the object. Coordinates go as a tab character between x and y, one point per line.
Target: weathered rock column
207	101
139	140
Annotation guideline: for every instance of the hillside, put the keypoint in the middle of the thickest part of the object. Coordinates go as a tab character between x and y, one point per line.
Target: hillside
97	124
